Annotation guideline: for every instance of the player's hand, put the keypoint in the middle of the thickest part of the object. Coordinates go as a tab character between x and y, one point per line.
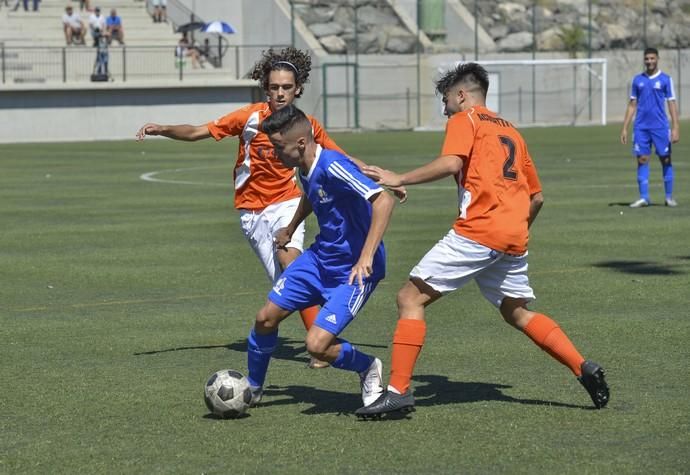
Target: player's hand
624	137
148	129
675	135
400	192
383	177
361	271
282	237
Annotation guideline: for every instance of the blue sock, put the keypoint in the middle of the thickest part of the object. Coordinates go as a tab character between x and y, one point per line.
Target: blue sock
259	351
351	359
643	180
667	170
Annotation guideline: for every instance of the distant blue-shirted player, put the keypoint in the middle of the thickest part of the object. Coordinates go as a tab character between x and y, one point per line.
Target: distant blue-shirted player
649	93
343	266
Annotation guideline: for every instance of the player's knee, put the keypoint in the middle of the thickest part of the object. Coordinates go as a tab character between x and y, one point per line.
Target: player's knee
515	313
316	347
407	297
643	159
665	160
265	322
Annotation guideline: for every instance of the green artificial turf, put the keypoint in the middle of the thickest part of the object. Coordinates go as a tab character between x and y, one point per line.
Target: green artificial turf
120	296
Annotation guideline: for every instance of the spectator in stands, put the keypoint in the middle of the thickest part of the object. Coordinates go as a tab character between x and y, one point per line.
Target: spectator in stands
73	26
184	50
25	3
204	51
97	25
85	4
113	25
160	11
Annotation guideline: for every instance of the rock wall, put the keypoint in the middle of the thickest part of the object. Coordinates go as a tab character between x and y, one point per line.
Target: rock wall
560	25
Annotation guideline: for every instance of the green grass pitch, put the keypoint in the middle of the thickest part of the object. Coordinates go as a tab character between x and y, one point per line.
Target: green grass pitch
120	296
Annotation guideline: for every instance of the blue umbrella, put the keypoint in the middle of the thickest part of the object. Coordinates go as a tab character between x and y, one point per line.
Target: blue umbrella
218	27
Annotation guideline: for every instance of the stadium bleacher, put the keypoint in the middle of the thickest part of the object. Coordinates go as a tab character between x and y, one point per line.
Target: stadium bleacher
34	46
44	28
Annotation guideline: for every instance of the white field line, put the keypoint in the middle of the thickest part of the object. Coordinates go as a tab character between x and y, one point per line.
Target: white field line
153	177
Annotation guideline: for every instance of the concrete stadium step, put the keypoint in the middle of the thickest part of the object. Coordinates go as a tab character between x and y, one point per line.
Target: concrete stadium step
44	28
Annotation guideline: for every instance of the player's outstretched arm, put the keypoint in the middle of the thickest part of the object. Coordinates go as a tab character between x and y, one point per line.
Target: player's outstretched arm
441	167
381	210
189	133
400	192
284	235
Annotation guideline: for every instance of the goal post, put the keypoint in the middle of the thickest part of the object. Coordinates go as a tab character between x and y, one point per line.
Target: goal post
540	91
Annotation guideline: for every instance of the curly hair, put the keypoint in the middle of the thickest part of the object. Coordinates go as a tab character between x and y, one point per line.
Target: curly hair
288	59
470	73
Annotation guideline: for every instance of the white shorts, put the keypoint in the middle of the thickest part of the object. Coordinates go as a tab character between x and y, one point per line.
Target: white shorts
259	227
455	260
159	3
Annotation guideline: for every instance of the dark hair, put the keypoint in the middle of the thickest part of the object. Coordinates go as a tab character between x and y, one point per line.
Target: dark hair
288	59
470	73
284	120
653	51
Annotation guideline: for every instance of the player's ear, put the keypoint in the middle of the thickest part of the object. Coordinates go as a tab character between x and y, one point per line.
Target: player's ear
298	90
302	142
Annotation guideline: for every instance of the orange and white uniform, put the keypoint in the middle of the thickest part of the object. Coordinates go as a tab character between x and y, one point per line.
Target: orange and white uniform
266	193
498	178
260	178
488	241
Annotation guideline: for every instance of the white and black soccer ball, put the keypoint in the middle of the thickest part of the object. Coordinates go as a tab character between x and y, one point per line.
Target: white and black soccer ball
227	394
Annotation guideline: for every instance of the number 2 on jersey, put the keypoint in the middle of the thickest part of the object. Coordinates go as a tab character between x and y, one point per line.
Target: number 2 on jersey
509	172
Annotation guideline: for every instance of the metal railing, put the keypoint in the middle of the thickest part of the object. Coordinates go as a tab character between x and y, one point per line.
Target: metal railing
34	64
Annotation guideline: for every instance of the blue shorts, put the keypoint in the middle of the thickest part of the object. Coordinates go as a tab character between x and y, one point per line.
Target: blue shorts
301	285
644	138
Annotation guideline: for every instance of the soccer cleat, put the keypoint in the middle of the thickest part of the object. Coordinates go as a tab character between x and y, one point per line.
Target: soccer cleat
387	403
257	394
641	203
315	363
593	380
371	382
671	203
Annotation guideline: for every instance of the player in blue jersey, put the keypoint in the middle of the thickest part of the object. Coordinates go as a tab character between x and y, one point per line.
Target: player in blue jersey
343	266
649	93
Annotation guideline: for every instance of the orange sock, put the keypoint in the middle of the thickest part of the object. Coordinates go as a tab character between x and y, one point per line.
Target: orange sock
549	337
309	316
408	340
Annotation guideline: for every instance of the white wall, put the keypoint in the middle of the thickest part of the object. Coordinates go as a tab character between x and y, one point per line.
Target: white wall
95	112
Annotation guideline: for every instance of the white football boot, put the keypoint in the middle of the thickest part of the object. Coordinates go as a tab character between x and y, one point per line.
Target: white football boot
641	203
371	382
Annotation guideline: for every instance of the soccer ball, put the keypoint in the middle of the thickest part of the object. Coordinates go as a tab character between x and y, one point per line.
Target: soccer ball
227	394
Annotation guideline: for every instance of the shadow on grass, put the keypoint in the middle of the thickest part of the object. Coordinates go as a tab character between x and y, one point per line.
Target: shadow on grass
439	390
287	349
639	267
627	204
434	390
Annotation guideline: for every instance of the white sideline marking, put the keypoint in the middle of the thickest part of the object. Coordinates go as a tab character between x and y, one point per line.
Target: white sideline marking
151	176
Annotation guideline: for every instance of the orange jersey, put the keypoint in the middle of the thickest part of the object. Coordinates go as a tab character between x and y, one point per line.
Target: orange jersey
498	178
260	178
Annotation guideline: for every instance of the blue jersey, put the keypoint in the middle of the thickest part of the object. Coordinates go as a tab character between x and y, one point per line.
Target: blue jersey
339	195
651	94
